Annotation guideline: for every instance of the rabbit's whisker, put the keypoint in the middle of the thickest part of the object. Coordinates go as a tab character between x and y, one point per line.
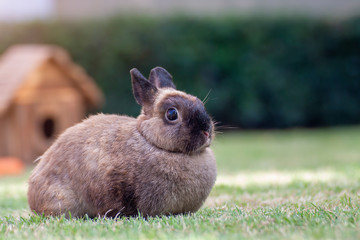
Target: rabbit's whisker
206	99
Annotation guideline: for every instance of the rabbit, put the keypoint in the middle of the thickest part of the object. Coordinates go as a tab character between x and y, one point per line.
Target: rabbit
159	163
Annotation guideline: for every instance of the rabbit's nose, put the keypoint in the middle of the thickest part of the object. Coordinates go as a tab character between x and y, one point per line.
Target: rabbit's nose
206	133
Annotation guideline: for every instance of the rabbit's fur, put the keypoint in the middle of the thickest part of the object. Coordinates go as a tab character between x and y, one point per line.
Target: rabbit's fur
112	165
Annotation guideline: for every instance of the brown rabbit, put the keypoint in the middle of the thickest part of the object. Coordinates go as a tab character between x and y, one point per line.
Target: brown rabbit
110	165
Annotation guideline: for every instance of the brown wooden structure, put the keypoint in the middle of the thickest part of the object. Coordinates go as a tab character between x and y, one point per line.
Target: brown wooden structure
42	92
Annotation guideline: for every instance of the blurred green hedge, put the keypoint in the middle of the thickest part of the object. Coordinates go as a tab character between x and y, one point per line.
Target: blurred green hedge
262	73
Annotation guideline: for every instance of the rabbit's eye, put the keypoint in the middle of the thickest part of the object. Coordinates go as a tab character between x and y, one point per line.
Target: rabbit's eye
171	114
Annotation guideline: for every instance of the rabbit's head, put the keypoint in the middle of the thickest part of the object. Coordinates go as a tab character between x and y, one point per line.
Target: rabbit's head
170	119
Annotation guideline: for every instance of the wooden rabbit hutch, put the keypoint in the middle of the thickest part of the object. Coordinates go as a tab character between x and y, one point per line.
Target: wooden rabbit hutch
42	92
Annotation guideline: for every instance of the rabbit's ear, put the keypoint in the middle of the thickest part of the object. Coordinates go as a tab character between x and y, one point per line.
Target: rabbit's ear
161	78
144	91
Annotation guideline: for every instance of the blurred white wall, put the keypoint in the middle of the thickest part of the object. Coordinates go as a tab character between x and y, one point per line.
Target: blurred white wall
20	10
95	8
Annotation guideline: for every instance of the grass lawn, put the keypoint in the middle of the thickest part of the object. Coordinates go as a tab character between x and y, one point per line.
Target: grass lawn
295	184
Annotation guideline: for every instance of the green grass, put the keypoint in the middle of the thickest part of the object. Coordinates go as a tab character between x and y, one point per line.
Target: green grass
296	184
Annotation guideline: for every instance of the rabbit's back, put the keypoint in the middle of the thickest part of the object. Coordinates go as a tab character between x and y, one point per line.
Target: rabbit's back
72	172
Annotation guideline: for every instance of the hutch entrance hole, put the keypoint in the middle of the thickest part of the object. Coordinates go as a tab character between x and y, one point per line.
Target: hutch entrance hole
48	128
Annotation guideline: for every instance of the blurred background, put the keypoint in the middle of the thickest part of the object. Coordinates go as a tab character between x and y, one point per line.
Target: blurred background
265	64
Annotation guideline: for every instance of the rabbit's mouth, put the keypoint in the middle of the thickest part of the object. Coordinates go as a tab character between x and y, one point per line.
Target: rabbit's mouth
207	142
199	145
207	139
